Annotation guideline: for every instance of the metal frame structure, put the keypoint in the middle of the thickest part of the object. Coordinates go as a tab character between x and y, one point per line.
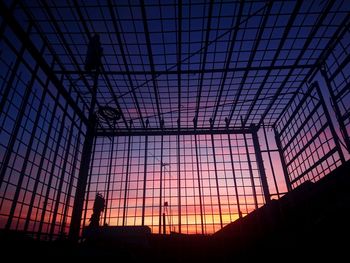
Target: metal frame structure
199	86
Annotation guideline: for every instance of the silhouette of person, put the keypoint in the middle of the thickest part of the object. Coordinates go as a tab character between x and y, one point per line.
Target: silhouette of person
99	205
94	54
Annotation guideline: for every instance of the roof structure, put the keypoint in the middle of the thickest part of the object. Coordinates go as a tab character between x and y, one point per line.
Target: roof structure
190	64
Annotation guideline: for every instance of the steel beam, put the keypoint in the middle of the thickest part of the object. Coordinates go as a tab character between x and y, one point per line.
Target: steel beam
170	131
178	179
17	125
71	181
24	38
29	146
180	71
178	58
12	72
336	109
268	151
70	53
199	184
283	160
200	86
3	24
250	61
304	49
52	52
330	123
275	58
125	62
234	177
339	33
109	180
126	189
102	70
161	185
228	58
310	168
144	181
74	231
151	62
217	180
51	175
42	160
251	172
61	180
89	184
261	167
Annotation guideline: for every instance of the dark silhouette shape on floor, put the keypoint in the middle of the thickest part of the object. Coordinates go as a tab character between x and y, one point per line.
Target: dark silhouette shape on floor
94	54
311	223
99	205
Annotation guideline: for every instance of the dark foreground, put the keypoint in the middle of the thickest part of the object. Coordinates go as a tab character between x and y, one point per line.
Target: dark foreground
310	223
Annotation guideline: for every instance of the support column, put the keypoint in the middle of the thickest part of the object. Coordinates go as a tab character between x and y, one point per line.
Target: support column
330	123
74	230
28	91
161	187
87	192
199	183
144	182
217	180
250	171
270	161
261	167
125	208
19	117
61	180
109	180
178	174
71	181
234	176
283	161
336	108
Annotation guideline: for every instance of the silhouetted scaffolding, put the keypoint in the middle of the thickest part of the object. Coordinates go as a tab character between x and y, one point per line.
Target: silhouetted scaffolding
212	107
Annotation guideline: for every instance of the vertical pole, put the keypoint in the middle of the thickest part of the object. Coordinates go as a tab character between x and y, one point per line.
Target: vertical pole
283	161
336	108
61	180
330	123
199	183
144	181
109	180
270	161
51	175
74	230
178	176
71	181
234	176
13	74
20	114
161	184
87	192
5	88
261	167
250	171
30	143
216	178
126	181
42	160
164	224
4	23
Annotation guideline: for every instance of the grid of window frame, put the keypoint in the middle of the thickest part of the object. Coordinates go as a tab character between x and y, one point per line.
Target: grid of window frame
335	73
243	58
307	138
40	147
201	195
